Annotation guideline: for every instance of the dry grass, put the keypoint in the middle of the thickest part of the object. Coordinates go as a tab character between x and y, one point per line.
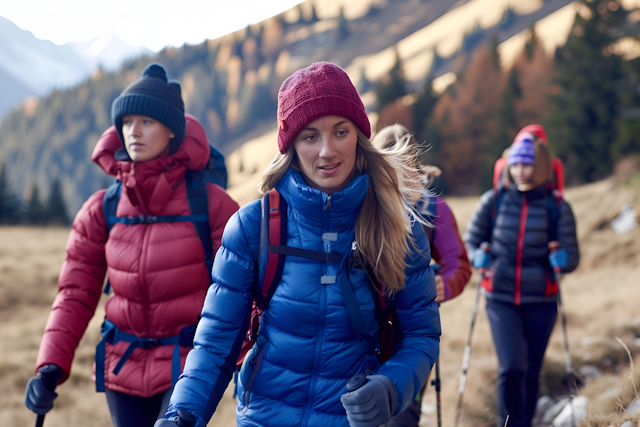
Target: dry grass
601	300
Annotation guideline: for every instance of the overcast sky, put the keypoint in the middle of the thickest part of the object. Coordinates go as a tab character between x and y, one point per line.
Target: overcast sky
150	23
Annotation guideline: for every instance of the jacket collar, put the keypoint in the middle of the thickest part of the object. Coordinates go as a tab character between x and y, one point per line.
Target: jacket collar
151	184
308	204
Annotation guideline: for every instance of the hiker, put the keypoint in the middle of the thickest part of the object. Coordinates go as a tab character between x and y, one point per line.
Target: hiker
151	244
518	218
447	249
314	362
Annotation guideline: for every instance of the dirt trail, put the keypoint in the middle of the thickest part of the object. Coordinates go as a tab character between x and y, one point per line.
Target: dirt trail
601	295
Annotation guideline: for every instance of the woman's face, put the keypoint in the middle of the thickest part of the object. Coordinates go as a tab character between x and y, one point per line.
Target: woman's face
326	148
144	138
521	173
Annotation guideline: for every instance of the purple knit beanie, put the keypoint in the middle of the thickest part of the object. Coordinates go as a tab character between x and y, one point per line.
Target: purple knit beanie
523	150
321	89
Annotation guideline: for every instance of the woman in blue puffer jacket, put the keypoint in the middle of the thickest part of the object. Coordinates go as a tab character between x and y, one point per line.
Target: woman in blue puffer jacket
519	219
341	193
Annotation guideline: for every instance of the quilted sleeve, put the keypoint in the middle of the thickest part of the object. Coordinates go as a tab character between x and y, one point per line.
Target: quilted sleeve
449	251
221	207
224	322
567	236
416	327
79	287
480	225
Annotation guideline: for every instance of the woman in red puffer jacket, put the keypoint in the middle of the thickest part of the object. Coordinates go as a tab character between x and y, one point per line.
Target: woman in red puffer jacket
152	249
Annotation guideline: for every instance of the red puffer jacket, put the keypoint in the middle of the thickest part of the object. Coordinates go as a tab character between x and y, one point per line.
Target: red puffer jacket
157	271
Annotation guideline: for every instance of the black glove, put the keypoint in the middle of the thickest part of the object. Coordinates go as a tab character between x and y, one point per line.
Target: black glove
39	394
184	419
372	404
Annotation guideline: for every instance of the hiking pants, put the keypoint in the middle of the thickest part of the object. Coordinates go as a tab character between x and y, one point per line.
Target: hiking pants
520	333
135	411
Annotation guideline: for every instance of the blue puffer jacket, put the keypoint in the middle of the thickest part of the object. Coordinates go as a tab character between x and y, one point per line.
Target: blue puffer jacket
520	271
306	350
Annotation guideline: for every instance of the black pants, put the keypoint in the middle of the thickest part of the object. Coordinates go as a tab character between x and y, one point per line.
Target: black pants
520	333
134	411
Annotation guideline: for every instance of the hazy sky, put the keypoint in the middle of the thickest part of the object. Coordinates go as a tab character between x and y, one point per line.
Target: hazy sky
151	23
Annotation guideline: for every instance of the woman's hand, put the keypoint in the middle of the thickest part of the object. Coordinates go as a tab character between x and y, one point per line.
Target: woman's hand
184	419
439	288
372	404
40	392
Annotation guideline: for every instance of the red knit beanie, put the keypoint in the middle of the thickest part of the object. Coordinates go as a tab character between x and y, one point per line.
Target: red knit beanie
321	89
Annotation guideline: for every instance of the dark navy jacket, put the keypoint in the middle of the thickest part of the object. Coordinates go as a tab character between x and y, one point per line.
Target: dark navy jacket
306	350
518	230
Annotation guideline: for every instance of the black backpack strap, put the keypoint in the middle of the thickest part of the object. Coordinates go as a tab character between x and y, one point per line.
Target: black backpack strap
110	206
497	200
199	205
368	341
553	212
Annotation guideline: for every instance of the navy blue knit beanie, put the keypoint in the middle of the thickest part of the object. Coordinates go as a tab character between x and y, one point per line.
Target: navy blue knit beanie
152	95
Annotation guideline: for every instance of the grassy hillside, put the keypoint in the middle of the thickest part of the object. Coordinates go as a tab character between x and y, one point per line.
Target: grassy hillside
600	297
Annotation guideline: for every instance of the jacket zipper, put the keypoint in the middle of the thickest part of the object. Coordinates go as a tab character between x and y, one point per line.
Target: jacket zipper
522	229
144	289
322	313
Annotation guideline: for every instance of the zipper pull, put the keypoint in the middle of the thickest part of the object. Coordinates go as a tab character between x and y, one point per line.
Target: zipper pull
327	205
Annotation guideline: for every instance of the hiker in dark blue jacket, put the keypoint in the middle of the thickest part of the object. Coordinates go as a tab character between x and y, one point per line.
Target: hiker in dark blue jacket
519	218
341	194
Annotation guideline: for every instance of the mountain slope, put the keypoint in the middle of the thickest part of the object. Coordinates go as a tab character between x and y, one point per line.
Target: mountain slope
33	67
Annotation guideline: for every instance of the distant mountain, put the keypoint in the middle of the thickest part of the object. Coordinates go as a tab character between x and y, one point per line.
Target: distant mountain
33	67
108	52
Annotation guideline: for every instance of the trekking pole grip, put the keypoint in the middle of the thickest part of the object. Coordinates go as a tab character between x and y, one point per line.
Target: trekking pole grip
486	248
553	246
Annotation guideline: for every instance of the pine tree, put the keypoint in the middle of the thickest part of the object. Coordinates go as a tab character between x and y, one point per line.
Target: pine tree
35	213
392	86
363	83
56	212
9	206
506	128
343	30
582	125
314	16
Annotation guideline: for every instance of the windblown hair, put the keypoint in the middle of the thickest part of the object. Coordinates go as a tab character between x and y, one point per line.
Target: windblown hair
543	170
392	182
389	136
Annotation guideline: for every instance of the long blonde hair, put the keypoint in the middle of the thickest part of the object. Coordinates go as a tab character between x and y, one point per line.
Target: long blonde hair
391	182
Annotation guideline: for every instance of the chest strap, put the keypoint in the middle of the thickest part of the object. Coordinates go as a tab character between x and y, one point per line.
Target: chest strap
111	334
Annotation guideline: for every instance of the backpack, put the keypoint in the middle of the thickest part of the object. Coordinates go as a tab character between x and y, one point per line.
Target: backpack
215	172
272	249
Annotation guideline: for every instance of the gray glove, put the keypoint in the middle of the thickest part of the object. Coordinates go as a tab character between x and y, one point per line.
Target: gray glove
183	419
372	404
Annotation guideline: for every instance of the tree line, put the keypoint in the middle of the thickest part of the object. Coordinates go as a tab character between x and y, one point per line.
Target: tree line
586	96
35	210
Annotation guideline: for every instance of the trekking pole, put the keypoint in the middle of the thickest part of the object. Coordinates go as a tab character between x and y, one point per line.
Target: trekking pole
557	271
467	349
49	384
436	382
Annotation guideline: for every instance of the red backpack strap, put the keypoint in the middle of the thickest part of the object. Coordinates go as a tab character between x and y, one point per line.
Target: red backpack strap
558	171
273	230
497	172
